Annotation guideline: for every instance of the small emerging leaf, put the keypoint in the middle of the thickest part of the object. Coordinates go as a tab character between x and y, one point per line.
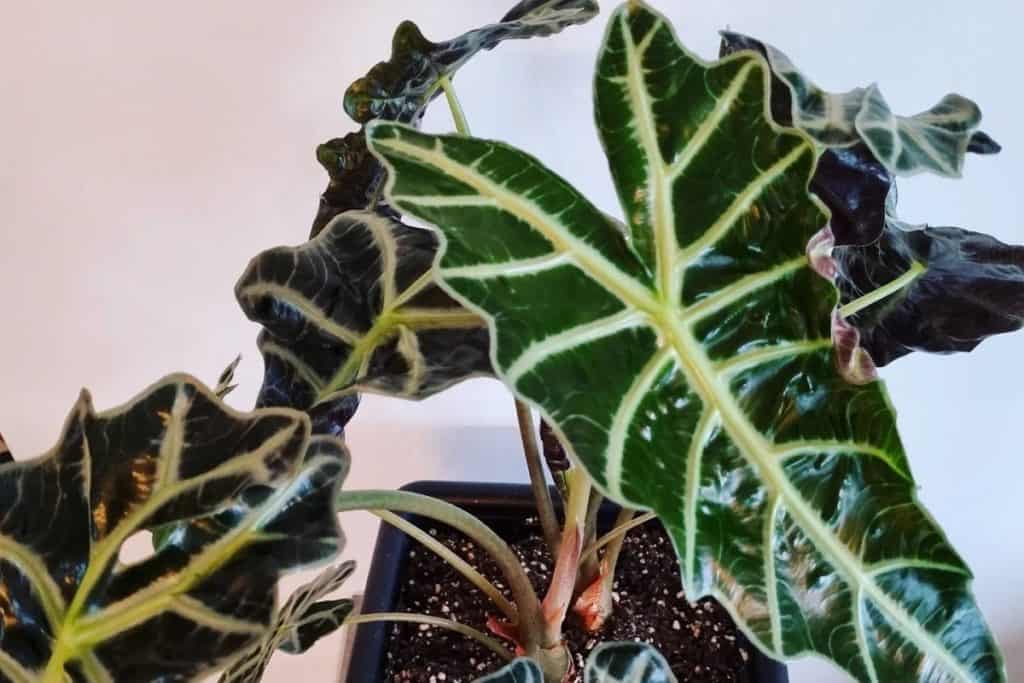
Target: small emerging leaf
689	364
401	88
357	309
225	383
303	620
251	495
936	140
972	288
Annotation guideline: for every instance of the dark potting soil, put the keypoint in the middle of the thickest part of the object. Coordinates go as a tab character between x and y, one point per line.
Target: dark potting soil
699	641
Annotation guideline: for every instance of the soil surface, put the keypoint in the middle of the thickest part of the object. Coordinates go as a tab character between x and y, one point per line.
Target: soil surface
699	641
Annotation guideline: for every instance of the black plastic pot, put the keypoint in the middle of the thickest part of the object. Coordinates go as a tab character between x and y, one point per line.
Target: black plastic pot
503	507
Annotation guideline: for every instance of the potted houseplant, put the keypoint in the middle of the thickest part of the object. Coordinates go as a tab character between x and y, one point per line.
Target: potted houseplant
709	361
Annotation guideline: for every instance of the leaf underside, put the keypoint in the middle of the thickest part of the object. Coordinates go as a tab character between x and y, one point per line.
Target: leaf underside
689	365
972	289
251	495
357	309
609	663
935	141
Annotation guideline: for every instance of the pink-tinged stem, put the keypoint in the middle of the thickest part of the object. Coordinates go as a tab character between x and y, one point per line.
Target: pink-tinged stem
563	582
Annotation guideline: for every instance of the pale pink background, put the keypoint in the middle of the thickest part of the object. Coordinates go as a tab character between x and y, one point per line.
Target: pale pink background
151	148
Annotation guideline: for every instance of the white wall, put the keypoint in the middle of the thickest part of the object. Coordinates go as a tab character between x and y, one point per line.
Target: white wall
151	148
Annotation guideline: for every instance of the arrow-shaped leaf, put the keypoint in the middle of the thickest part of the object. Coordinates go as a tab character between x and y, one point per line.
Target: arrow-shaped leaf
401	88
936	140
303	620
357	308
690	365
253	495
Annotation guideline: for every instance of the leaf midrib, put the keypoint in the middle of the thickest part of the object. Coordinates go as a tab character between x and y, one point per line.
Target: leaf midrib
697	368
701	376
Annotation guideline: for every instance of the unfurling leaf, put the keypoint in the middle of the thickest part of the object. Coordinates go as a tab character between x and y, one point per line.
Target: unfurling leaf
357	309
303	620
936	140
401	88
972	288
609	663
690	365
225	383
554	453
252	495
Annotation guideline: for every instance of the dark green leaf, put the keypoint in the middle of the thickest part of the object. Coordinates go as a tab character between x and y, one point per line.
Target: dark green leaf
972	289
627	663
609	663
689	365
857	190
357	309
936	140
401	88
302	621
252	495
354	179
519	671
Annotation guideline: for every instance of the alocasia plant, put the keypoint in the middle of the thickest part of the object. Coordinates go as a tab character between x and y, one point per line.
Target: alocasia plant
698	352
252	497
695	362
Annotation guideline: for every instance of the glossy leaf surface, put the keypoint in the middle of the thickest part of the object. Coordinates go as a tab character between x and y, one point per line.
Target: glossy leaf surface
936	140
857	190
357	308
354	179
689	364
305	618
254	497
972	288
609	663
401	88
